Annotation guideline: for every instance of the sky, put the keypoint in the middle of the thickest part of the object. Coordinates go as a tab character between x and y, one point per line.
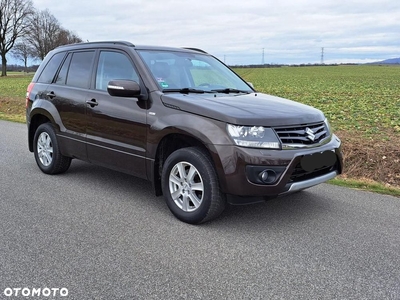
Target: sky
243	32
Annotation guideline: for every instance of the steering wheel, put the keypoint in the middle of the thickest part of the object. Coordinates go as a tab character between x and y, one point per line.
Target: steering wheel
205	84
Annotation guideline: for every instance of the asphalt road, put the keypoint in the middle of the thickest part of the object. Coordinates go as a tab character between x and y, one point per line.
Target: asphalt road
104	235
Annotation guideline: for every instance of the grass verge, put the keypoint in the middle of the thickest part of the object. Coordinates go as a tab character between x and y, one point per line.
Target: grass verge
12	96
12	117
366	185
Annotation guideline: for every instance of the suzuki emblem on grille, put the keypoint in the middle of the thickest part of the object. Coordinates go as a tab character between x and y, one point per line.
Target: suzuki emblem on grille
310	134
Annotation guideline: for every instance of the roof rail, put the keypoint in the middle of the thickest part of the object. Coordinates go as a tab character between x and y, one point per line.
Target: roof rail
100	42
195	49
125	43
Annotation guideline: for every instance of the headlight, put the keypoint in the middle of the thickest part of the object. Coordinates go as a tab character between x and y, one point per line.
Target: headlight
328	127
254	136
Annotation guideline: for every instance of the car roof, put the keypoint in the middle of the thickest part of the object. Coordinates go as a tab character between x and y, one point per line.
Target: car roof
125	44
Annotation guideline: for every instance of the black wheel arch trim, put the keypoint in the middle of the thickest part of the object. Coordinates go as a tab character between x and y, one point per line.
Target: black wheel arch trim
42	108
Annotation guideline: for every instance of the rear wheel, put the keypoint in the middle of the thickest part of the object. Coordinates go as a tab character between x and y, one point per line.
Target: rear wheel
190	186
47	152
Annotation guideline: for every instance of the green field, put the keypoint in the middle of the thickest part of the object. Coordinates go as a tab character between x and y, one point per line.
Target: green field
12	96
361	99
361	102
14	86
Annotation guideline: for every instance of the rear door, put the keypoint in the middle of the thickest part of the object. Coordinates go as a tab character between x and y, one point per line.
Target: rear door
68	93
116	129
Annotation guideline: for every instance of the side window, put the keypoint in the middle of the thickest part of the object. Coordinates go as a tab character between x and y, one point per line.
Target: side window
51	68
62	75
114	65
80	69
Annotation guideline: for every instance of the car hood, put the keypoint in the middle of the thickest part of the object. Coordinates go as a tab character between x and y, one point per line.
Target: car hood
255	109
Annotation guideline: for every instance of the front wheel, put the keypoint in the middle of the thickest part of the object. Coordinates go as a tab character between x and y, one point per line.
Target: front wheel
190	186
47	152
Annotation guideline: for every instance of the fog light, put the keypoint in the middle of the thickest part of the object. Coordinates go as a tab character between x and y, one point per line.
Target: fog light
267	176
264	175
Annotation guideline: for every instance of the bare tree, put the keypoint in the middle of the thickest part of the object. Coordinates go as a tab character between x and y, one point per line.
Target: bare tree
22	51
44	29
46	33
14	20
66	37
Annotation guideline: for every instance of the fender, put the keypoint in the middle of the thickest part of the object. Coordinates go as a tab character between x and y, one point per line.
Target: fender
46	108
209	132
42	108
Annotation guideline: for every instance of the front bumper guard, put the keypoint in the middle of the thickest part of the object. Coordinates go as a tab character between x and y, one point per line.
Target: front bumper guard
301	185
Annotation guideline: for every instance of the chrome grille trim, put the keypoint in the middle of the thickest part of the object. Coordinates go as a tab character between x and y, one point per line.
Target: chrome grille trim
293	137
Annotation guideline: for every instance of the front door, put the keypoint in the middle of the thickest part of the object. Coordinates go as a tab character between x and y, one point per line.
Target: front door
116	129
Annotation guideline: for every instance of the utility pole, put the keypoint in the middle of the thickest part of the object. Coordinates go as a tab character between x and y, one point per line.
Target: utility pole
262	57
322	55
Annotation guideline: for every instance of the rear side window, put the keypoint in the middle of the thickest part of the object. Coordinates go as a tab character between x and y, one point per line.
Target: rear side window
62	75
51	68
80	69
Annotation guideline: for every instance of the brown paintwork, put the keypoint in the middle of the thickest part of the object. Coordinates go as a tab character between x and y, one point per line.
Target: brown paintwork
124	133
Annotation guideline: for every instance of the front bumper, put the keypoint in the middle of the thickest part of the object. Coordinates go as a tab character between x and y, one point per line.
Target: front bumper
234	180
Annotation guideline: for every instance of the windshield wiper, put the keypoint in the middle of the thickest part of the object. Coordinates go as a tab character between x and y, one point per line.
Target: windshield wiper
229	90
186	91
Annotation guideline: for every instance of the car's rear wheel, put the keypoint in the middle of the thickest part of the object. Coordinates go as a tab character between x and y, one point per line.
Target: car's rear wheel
190	186
47	152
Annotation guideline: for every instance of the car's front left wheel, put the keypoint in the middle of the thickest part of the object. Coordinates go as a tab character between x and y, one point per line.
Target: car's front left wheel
190	186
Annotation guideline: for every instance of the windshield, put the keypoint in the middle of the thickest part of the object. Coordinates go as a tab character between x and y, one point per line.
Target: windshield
187	72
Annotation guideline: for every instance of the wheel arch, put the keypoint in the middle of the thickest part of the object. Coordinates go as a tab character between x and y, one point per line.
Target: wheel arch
42	112
170	143
36	120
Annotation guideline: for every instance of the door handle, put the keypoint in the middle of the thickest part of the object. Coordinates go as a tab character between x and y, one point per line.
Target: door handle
51	95
92	102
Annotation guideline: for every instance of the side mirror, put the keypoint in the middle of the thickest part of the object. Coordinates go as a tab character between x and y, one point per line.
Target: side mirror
250	84
124	88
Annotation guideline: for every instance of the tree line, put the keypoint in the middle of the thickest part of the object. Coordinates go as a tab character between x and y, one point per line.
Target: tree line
26	32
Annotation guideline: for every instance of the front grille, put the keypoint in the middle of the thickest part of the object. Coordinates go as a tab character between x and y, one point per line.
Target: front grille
308	134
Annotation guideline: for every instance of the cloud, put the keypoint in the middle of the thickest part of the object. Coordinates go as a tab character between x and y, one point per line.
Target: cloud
288	31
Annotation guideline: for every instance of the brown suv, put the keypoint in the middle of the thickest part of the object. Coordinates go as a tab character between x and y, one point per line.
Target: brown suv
179	118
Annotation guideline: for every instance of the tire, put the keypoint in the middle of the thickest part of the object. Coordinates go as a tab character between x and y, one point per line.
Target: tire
190	186
47	152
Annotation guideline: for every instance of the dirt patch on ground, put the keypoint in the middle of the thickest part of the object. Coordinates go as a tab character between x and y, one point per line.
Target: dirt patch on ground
12	109
373	158
12	105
